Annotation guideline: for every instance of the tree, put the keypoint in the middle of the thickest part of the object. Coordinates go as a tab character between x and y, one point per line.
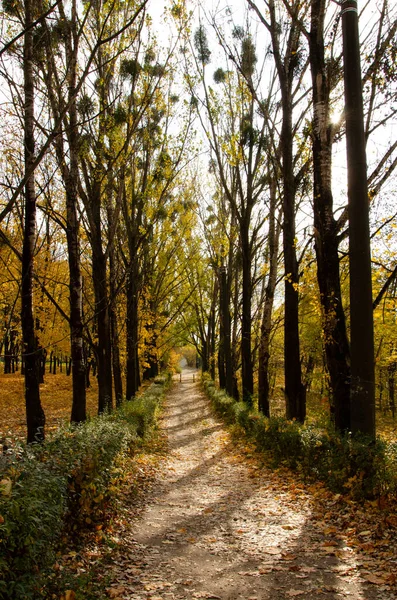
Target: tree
35	417
362	391
69	167
287	61
326	233
266	323
237	138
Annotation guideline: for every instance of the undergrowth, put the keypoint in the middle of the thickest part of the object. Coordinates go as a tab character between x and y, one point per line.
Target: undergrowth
63	486
358	466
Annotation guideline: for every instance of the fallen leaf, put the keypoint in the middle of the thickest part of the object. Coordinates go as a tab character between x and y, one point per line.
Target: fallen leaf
272	551
6	487
116	592
391	578
329	549
293	593
374	579
329	530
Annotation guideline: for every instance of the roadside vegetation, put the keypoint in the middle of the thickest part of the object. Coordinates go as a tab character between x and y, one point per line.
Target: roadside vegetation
51	492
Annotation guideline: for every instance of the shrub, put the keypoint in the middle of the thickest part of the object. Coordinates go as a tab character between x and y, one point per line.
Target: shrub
64	482
32	507
359	466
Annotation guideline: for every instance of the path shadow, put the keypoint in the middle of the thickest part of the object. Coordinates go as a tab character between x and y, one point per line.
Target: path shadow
190	422
301	548
184	440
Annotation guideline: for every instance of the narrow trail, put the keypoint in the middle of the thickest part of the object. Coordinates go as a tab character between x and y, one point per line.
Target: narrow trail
218	526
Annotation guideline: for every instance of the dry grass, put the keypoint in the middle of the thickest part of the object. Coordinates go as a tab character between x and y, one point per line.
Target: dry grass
56	397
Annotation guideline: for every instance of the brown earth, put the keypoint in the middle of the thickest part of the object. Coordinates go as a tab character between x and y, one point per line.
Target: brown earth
218	524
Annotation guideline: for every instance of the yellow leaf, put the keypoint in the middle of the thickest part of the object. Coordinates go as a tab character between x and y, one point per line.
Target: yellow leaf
116	592
6	487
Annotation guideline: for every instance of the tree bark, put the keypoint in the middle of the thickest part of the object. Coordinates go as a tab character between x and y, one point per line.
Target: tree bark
266	324
336	344
211	329
294	388
79	411
246	358
103	347
362	389
225	339
35	417
132	383
114	326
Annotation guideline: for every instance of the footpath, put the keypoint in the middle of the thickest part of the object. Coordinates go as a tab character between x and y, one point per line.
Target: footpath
219	525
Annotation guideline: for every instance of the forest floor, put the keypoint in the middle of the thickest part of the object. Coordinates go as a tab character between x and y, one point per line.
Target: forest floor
217	523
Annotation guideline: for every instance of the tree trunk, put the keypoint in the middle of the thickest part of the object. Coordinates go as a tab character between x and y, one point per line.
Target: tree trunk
294	389
362	388
325	228
7	353
266	325
234	350
225	339
35	417
103	348
132	332
114	326
221	347
117	377
246	358
79	411
152	368
211	329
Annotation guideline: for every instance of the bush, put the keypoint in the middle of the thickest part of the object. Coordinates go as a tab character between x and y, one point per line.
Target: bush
64	482
32	507
359	466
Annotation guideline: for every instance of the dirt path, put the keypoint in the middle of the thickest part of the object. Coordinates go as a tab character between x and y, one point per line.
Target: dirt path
217	526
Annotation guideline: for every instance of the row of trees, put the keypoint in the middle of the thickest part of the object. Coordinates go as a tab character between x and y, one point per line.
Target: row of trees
269	126
185	195
100	167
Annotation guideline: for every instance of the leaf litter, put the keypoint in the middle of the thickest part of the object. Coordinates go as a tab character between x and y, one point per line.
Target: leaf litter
211	521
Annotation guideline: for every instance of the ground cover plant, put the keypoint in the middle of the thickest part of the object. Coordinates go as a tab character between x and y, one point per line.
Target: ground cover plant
66	484
346	464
